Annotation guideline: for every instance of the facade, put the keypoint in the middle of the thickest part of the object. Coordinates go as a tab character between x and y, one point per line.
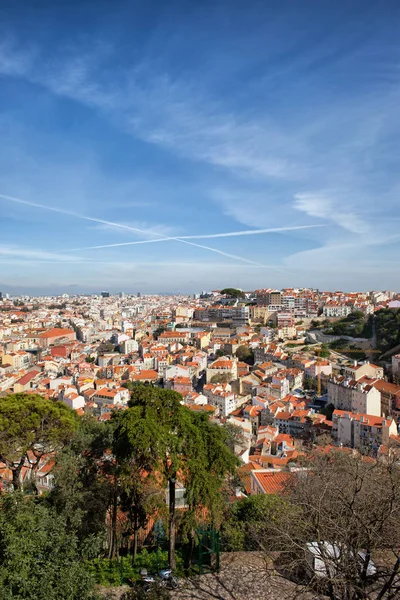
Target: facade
368	369
353	396
358	430
222	366
336	310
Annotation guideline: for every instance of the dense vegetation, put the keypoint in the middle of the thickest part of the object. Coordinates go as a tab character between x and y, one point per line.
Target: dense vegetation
387	326
245	354
111	482
356	324
233	293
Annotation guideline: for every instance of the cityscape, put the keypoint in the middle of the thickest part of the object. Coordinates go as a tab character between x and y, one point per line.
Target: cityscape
199	300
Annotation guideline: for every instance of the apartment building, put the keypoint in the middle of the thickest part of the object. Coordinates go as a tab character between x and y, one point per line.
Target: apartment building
361	430
336	310
222	366
354	396
357	371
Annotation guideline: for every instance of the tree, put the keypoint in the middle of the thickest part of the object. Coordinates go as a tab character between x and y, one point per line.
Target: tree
344	510
245	354
40	559
233	293
246	517
221	377
30	423
159	435
83	478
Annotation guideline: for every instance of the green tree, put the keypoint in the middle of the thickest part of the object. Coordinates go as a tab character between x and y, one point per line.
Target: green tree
40	559
83	478
221	377
30	423
233	293
245	354
163	437
246	518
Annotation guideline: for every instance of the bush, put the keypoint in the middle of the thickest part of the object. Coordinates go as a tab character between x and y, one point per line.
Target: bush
119	571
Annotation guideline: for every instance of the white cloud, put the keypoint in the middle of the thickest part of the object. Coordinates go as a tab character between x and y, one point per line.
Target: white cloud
35	254
324	207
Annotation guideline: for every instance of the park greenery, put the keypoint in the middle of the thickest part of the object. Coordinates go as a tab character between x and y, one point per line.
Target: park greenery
387	327
356	324
233	293
114	507
113	480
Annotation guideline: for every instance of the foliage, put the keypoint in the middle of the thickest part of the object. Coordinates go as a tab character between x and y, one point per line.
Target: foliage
246	517
387	326
83	486
234	435
157	332
328	411
40	559
219	353
356	324
245	354
221	377
233	293
338	344
31	423
160	436
323	351
120	571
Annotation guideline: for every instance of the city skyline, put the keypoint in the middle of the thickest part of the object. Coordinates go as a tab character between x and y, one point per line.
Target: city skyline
185	146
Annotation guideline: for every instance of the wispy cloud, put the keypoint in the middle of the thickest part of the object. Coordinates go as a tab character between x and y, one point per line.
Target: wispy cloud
34	254
127	227
323	207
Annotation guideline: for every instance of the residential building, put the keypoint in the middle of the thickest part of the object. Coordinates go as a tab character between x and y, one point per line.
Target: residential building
353	396
359	430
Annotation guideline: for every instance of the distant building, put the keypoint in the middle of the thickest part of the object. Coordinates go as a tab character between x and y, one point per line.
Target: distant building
105	294
358	429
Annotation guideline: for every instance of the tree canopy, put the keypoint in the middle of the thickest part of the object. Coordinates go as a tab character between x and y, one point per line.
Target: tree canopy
233	293
161	436
31	423
40	559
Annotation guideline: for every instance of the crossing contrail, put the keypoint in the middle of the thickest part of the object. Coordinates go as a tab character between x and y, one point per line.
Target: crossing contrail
200	236
159	236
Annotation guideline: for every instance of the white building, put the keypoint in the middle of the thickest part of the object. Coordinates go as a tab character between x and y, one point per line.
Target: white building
336	310
354	396
357	429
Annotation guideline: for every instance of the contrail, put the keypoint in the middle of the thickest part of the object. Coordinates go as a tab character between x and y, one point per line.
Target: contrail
136	229
247	232
62	211
199	237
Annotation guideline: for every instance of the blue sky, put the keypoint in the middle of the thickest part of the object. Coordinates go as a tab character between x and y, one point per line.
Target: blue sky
126	124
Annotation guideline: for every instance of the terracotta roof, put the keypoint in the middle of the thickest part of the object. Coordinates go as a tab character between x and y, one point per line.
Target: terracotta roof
272	482
27	378
244	474
56	332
